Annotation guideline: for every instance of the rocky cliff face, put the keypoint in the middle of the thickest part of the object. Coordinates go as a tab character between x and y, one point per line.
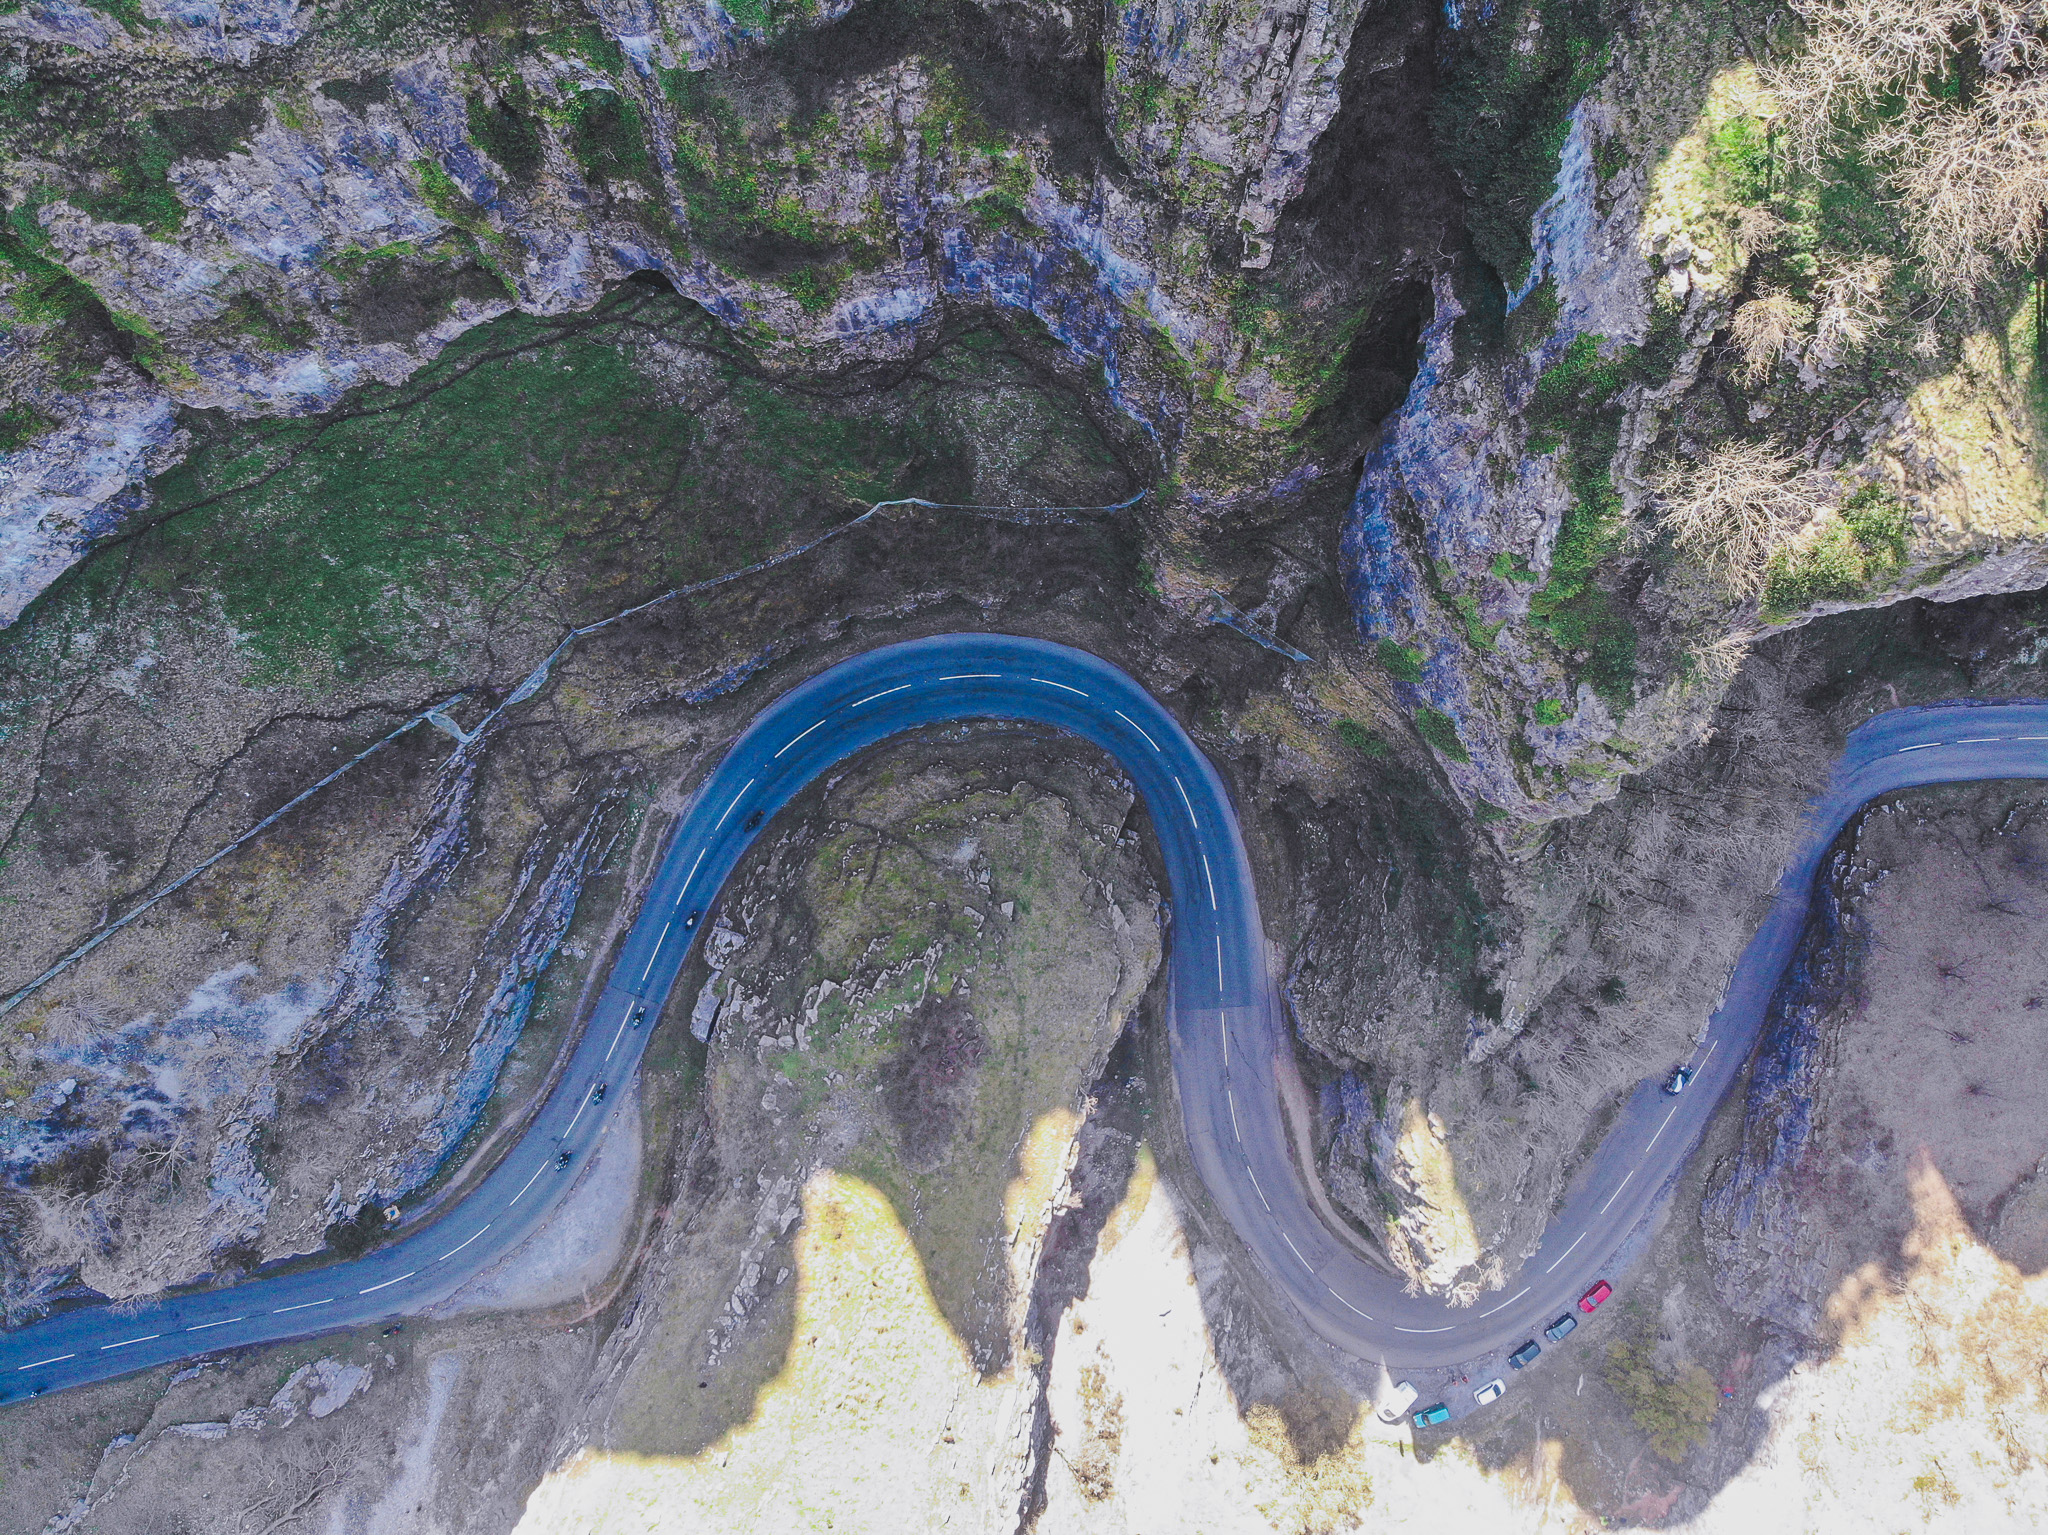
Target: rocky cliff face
1499	367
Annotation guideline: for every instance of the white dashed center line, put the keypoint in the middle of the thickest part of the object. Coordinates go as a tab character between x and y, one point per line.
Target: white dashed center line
1617	1189
1211	878
1347	1304
1662	1128
1508	1302
971	677
304	1305
1923	746
463	1243
1567	1252
1185	800
148	1337
529	1184
53	1359
1139	728
729	809
225	1322
387	1283
1048	682
796	738
899	688
1255	1186
1297	1252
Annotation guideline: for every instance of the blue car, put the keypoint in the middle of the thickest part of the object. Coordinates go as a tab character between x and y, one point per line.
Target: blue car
1556	1331
1429	1417
1525	1356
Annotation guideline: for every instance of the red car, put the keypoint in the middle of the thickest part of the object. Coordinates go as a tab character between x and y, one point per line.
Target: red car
1590	1301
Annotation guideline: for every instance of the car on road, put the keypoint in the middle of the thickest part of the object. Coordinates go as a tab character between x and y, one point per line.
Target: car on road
1590	1301
1525	1356
691	920
639	1015
1557	1330
1492	1391
562	1160
1676	1082
751	821
1429	1417
597	1093
1396	1404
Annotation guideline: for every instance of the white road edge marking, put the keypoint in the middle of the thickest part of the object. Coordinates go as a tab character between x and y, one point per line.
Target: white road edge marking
1140	729
148	1337
229	1322
463	1243
1508	1302
387	1283
304	1305
796	738
1567	1252
901	687
1061	686
53	1359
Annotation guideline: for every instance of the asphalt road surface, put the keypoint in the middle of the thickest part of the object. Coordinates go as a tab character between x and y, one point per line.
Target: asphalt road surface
1227	1027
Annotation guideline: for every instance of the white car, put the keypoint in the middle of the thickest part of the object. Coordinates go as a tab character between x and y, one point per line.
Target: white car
1393	1408
1490	1392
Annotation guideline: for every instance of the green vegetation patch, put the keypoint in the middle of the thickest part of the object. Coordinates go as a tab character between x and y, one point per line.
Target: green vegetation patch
1854	551
1674	1407
1575	407
1552	711
531	464
1360	738
508	129
1403	662
1435	727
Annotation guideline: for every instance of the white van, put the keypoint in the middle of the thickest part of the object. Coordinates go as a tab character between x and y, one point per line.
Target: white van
1395	1406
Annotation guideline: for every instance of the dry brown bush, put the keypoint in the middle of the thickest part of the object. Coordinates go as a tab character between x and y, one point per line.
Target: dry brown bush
1851	306
1732	508
1762	329
1971	158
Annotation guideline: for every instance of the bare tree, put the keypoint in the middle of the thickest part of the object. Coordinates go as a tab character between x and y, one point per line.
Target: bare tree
1964	89
1734	507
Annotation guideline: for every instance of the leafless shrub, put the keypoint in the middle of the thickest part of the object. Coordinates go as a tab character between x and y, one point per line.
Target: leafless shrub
1734	507
1758	230
307	1465
1971	157
1851	306
1762	330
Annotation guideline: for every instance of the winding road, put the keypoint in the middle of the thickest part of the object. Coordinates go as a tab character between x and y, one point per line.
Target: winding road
1228	1030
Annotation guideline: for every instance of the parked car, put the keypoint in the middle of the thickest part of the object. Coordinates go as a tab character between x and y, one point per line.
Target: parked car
1525	1356
1557	1330
1429	1417
1590	1301
691	920
1490	1392
1675	1083
1398	1403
